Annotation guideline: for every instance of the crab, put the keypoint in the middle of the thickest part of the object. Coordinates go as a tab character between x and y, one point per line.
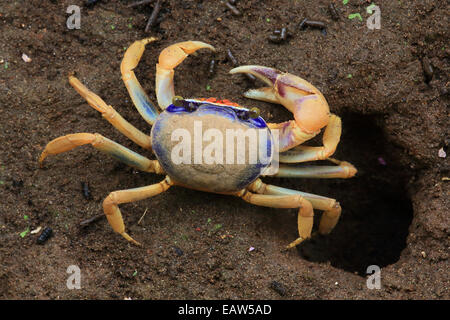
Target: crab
306	103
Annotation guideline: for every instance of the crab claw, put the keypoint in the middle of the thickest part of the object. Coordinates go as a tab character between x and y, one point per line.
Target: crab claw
169	58
306	102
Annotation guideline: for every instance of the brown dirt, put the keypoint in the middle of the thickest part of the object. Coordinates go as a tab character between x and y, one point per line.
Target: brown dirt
394	215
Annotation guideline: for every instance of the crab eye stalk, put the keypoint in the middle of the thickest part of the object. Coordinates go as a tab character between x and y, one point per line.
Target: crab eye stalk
254	113
177	101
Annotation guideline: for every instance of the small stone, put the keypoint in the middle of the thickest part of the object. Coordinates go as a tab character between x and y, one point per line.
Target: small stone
423	254
26	58
381	161
178	251
278	287
442	153
36	230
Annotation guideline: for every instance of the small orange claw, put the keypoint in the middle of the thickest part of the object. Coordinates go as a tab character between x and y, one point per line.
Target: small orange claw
173	55
169	58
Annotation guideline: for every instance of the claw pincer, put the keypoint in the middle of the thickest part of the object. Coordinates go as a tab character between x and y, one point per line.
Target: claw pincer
306	102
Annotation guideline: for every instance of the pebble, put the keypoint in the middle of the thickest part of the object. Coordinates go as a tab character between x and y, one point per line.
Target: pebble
36	230
278	287
178	251
381	161
427	69
26	58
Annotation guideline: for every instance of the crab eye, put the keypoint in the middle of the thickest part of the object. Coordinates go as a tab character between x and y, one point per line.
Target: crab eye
177	101
254	113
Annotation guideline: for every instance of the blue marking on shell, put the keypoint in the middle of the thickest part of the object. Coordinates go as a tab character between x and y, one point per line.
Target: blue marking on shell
176	109
203	107
258	122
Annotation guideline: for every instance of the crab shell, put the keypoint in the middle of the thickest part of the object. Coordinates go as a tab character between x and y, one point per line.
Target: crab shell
197	118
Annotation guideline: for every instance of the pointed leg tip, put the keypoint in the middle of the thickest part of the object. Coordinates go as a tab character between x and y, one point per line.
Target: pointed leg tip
130	239
149	40
137	243
295	243
41	159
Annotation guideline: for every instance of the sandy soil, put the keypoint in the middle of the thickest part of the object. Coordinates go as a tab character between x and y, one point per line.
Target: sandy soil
196	245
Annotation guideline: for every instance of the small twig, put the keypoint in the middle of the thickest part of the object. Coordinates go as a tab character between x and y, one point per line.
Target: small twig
232	58
212	68
313	24
236	63
87	222
91	2
153	16
233	9
142	216
427	69
85	190
138	3
302	24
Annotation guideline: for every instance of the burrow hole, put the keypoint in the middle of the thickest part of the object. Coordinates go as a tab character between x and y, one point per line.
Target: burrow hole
377	211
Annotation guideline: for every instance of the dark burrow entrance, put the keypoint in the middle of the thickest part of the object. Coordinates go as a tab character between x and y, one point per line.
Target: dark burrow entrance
377	211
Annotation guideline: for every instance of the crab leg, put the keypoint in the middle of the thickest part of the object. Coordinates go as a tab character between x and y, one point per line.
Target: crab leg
331	137
140	99
306	102
117	151
332	209
305	213
111	202
169	58
343	170
111	115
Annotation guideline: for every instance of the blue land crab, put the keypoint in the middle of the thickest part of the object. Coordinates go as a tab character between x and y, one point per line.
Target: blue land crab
307	104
